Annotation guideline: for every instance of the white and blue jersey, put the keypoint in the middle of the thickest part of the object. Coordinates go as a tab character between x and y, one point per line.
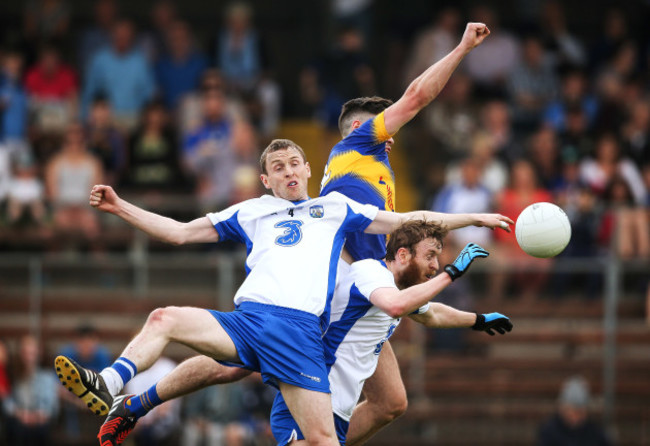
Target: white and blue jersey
357	332
293	248
283	305
353	342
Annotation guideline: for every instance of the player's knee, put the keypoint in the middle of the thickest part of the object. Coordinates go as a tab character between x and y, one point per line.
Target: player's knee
224	375
388	416
321	435
392	408
321	438
399	407
390	404
161	318
155	317
399	402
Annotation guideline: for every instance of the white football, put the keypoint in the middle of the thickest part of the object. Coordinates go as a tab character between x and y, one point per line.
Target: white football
543	230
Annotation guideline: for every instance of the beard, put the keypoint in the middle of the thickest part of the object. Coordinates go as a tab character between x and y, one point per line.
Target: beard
412	275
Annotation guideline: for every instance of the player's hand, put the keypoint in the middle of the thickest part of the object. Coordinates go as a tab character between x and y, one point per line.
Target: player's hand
493	221
103	198
492	322
464	260
474	35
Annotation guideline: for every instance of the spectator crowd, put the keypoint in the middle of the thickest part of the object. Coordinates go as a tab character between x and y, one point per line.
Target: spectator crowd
537	115
540	115
146	110
36	410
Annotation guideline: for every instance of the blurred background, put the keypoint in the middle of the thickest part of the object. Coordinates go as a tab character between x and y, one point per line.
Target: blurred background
172	102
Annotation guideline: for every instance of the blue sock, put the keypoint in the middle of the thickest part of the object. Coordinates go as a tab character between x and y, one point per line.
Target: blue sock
125	368
143	403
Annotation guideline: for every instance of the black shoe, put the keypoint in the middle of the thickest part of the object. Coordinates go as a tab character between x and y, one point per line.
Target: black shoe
119	423
84	383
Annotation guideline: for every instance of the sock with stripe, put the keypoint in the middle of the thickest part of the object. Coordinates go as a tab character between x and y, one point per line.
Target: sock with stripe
143	403
117	375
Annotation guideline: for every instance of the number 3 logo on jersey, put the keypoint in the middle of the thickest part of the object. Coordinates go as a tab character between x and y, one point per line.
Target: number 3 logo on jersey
292	232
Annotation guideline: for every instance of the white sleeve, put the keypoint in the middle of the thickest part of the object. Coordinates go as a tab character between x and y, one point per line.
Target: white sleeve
227	223
423	309
359	215
369	275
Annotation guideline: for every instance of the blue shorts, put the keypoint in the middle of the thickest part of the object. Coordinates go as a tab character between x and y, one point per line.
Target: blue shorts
283	344
285	429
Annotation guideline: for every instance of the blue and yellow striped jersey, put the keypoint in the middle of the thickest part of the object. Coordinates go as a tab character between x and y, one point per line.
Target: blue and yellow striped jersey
358	167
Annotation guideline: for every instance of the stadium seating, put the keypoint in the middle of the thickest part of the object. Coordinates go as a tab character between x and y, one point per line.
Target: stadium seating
504	387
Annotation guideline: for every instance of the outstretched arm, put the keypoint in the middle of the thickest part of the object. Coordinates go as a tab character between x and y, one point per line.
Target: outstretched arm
443	316
429	84
165	229
386	222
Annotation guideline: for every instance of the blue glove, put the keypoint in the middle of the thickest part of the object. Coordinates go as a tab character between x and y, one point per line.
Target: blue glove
464	260
492	321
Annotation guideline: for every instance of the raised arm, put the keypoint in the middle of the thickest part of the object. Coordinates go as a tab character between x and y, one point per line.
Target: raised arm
386	222
165	229
429	84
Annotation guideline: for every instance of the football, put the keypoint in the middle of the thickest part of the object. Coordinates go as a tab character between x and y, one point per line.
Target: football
543	230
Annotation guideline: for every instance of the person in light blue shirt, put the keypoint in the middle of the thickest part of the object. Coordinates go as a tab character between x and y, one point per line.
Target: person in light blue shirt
208	152
121	73
97	35
238	48
573	93
179	71
467	194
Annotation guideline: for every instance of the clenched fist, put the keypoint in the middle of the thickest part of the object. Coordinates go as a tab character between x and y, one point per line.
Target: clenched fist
104	198
474	35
